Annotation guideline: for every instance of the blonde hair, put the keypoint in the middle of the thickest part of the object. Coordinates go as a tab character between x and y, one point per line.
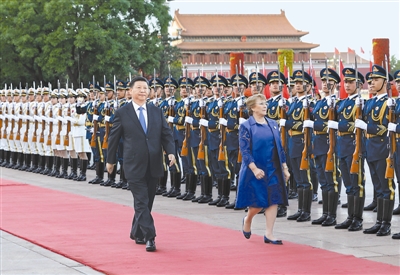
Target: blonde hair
251	102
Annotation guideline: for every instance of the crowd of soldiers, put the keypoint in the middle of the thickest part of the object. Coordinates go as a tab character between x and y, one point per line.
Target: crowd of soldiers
327	140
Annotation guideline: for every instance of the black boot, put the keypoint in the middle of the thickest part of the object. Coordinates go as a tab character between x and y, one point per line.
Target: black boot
372	205
74	169
64	172
49	166
6	159
56	170
111	180
307	200
192	188
219	185
350	213
17	164
388	206
187	179
282	211
82	176
357	224
99	173
12	160
172	180
295	216
35	160
208	184
321	219
374	229
121	181
162	184
226	189
201	178
332	208
177	186
27	164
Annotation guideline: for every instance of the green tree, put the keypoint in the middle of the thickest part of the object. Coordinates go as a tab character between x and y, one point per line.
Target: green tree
75	39
394	64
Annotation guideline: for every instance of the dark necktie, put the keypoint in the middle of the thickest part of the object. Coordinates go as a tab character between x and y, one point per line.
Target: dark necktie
142	120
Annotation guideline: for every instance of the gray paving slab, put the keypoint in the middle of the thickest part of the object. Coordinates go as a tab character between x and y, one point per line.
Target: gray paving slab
379	249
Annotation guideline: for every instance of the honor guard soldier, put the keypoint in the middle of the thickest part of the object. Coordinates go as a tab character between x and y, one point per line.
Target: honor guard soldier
276	80
394	127
156	87
377	145
188	159
108	120
2	126
6	101
32	110
233	111
350	149
21	110
119	103
61	135
299	144
47	119
53	129
39	130
324	148
257	83
168	107
69	109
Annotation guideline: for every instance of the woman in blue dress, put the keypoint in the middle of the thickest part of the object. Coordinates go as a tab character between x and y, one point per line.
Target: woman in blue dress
264	171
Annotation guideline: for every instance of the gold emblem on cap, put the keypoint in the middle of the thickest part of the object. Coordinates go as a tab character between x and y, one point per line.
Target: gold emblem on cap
375	69
274	74
299	73
348	71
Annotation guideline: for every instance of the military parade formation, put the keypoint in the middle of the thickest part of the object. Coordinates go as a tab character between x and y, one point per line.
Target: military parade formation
59	131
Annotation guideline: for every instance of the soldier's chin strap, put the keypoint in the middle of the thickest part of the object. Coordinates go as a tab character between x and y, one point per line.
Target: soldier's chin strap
383	84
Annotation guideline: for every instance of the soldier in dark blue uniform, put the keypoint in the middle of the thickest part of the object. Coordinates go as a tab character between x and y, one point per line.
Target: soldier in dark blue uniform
294	126
232	112
346	143
99	107
375	125
396	129
119	103
109	110
321	145
257	83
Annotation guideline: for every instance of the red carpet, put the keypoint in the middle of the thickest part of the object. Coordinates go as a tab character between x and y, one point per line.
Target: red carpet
96	233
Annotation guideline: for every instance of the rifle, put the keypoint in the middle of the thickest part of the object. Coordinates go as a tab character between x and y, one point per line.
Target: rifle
203	131
66	138
304	164
12	123
240	90
50	125
330	158
171	111
357	155
4	135
389	173
221	152
107	129
41	139
58	138
95	126
185	149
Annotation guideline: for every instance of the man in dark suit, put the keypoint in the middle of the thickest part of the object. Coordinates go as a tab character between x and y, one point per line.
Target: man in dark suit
146	134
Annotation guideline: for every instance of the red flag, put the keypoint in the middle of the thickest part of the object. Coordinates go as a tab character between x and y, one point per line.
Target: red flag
361	50
337	52
351	51
370	66
343	93
267	93
285	91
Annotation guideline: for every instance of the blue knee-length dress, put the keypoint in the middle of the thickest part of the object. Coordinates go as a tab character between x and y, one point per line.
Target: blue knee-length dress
261	144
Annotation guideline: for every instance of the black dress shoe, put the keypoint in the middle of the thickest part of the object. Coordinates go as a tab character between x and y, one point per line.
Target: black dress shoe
151	245
140	241
396	236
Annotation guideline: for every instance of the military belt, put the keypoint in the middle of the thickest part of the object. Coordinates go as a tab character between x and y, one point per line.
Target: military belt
230	131
340	134
371	136
294	133
180	127
320	133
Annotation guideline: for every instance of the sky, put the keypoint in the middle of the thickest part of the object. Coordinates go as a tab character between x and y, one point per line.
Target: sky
351	24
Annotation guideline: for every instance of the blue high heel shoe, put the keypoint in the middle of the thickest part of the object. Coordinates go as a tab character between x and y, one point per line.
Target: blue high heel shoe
266	240
247	235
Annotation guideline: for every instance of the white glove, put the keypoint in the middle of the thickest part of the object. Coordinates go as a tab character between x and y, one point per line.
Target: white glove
171	119
281	102
202	103
38	118
107	118
79	100
329	101
282	122
204	122
223	121
305	103
390	102
188	120
359	102
242	120
392	126
220	102
240	102
92	130
95	117
30	118
308	124
360	124
333	124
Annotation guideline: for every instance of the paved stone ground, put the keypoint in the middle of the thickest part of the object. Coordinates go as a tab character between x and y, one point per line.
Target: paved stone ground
21	257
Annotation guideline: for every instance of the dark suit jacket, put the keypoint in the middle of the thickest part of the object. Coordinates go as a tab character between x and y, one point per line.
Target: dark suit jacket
139	148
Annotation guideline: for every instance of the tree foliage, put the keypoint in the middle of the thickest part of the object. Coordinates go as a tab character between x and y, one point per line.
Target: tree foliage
394	64
75	39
